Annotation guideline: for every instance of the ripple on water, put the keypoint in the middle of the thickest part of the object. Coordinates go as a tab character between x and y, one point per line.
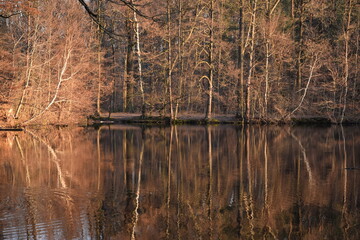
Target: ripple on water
43	213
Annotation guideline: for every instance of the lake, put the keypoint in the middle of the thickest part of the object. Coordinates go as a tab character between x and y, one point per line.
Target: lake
181	182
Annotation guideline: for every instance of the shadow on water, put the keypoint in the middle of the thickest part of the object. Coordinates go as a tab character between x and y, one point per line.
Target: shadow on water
181	182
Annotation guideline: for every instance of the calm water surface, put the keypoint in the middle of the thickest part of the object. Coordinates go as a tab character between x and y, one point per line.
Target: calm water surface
185	182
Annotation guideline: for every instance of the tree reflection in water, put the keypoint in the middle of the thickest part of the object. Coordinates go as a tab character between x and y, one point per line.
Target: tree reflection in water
180	182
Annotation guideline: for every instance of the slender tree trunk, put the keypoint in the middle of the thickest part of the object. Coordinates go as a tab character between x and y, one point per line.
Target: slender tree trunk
251	60
346	37
138	52
169	60
129	65
269	10
181	66
219	73
125	84
211	67
29	63
240	89
99	33
356	78
299	42
267	56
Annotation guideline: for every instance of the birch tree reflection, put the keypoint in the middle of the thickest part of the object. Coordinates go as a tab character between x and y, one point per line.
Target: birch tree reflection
183	182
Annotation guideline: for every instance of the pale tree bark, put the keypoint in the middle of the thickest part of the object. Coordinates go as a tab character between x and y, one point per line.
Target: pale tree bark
211	67
180	53
169	60
99	33
306	88
129	65
269	10
356	78
125	84
251	60
61	80
267	56
138	52
29	66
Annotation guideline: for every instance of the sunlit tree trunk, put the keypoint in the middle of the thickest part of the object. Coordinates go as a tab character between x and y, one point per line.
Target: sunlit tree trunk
210	61
251	60
180	53
267	56
29	66
169	59
99	33
298	32
346	58
138	52
129	65
356	78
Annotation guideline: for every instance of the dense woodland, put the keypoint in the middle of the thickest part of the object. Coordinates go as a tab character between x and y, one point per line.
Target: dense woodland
259	59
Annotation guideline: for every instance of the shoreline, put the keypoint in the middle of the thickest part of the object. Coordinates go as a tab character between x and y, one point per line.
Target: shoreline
197	119
188	119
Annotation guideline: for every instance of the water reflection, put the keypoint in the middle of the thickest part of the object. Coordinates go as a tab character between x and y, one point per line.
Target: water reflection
184	182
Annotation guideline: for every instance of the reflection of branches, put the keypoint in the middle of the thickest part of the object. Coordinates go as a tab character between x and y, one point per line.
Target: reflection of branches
98	150
209	140
136	214
179	182
169	184
307	164
55	158
344	209
266	197
23	159
249	204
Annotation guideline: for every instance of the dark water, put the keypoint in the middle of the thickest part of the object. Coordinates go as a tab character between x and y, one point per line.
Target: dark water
185	182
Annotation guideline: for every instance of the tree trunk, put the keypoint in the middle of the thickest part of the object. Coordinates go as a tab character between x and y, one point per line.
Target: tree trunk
129	65
346	70
29	63
99	33
138	52
298	32
211	67
180	45
267	56
169	60
125	83
240	87
251	60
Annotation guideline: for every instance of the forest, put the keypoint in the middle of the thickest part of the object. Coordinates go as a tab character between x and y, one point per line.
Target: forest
65	60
